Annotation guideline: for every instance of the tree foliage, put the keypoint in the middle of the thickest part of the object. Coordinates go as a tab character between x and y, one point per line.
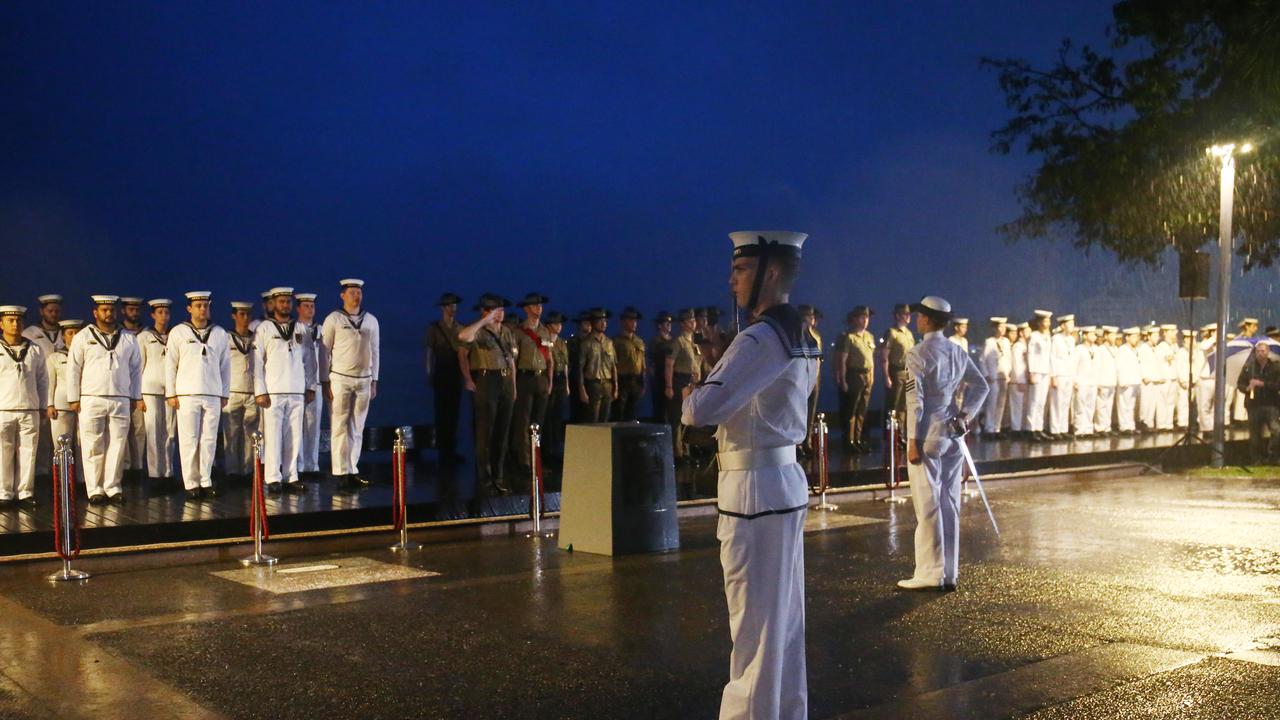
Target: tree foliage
1121	133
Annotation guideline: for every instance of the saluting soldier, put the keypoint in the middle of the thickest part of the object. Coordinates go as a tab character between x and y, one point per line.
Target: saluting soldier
351	344
240	416
63	421
997	363
894	344
534	366
104	383
553	435
24	399
131	323
1039	374
159	419
660	348
630	351
47	334
488	359
309	456
198	387
683	369
599	370
445	376
855	377
282	381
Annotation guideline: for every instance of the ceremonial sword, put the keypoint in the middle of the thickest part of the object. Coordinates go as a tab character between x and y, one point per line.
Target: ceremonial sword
973	470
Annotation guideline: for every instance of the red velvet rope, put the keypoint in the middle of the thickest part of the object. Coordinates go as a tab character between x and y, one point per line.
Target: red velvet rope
397	489
824	466
259	501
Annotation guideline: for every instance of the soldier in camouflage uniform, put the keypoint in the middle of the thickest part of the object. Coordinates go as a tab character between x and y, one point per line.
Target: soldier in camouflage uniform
630	351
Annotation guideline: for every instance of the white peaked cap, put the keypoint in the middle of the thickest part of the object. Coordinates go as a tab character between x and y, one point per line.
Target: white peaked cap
1066	318
241	305
1044	313
351	282
160	302
46	299
745	240
278	291
199	295
105	299
13	310
304	297
999	320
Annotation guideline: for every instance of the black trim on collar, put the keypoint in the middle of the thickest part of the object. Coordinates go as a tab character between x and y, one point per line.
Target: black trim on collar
786	322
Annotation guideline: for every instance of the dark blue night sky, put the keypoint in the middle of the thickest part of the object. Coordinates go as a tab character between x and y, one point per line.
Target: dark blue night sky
597	152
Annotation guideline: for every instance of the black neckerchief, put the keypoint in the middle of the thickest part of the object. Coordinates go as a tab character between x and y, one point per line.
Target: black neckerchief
20	357
115	338
163	340
204	339
286	331
51	335
243	344
355	322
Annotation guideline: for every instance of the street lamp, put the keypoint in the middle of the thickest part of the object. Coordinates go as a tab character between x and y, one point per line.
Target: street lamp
1226	153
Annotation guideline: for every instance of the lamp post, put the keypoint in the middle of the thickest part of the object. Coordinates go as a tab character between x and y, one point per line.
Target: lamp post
1227	185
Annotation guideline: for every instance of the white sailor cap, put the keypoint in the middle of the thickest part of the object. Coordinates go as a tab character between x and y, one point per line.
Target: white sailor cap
754	243
1010	326
1249	320
1087	328
130	300
933	306
105	299
198	295
960	321
278	291
69	324
1168	326
304	297
351	283
159	303
265	294
1132	331
1024	326
241	305
13	310
1208	327
51	298
999	320
1044	313
1066	318
1187	333
1110	328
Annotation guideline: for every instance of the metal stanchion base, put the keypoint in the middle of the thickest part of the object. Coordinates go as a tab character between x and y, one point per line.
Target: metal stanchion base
405	546
895	498
259	560
970	492
826	506
69	574
540	534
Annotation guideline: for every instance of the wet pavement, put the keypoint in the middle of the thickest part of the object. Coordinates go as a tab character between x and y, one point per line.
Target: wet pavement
1150	596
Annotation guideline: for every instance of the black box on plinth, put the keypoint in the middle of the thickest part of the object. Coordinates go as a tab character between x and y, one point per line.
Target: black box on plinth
618	494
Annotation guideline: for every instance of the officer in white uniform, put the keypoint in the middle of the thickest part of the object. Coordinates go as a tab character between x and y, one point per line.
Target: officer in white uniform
351	339
48	335
197	387
1085	404
1018	382
757	395
159	420
63	420
24	399
282	379
309	456
1062	360
1105	375
1128	381
1204	375
936	421
1039	370
104	383
996	366
240	416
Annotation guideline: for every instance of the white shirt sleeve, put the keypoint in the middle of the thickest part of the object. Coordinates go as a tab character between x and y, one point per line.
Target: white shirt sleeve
171	363
135	369
754	359
75	363
43	394
375	342
259	364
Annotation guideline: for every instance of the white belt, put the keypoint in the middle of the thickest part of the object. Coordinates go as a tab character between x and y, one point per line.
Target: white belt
757	459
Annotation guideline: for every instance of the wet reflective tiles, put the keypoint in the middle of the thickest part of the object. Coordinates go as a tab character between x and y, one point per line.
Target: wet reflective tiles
342	572
819	520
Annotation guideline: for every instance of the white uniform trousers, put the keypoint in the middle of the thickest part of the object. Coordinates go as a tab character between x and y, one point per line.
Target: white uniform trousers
161	427
239	423
45	446
1166	400
993	409
1017	407
1037	395
136	450
309	458
1235	406
1104	408
1060	405
1083	408
1148	402
65	425
1126	400
346	422
763	561
1204	403
104	441
935	494
1181	406
282	438
198	417
19	435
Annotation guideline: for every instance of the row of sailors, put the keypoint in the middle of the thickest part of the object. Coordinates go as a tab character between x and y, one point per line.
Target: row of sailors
1094	380
187	381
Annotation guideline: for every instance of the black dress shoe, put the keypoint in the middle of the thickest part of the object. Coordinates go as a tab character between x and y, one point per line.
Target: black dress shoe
295	488
211	492
193	495
357	481
97	499
499	487
948	587
273	488
117	499
7	503
28	502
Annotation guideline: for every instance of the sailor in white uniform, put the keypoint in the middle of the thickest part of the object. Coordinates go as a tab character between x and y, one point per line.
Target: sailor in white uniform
1128	381
1039	370
1166	355
1085	403
996	366
63	421
1153	378
1185	372
24	399
104	384
351	338
1204	376
135	459
309	456
1018	382
282	379
159	419
48	335
936	422
266	311
1062	361
240	416
197	386
1104	366
757	395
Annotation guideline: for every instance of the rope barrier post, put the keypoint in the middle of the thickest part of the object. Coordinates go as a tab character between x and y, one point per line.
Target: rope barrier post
399	509
66	531
893	482
258	510
535	483
824	465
